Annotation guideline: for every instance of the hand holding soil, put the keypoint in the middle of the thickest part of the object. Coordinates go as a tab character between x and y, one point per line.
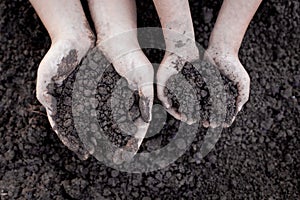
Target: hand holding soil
230	67
138	72
72	38
61	60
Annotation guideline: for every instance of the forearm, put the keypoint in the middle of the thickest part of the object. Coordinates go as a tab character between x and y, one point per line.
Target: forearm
63	19
178	30
231	25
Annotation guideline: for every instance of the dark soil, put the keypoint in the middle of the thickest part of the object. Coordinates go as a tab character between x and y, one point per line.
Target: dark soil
117	106
107	82
192	81
256	158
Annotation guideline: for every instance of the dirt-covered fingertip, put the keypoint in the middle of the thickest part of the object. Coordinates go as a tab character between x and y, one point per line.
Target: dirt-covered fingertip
228	124
83	155
191	121
183	117
205	124
174	113
225	125
239	109
145	108
214	124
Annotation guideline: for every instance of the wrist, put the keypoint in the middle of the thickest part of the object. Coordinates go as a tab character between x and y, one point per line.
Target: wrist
222	45
221	51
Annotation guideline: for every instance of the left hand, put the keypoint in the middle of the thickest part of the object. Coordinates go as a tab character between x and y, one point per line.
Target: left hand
172	64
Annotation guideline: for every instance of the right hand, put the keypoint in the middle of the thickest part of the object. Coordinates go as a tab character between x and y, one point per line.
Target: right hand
138	71
230	66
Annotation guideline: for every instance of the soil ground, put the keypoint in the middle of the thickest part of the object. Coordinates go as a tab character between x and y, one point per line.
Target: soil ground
256	158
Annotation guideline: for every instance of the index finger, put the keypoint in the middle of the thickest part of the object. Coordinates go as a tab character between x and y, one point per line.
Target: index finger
243	87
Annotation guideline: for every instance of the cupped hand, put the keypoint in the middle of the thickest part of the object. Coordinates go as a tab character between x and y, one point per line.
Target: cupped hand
172	64
230	66
60	61
138	71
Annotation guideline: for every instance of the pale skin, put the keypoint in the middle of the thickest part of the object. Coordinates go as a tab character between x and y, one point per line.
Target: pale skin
70	32
225	41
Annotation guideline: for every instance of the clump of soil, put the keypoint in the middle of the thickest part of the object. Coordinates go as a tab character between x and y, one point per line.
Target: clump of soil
190	93
63	117
116	105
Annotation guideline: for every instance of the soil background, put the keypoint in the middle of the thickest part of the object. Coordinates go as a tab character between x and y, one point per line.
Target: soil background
256	158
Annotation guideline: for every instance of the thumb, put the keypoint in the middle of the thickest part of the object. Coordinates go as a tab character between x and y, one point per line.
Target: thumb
146	101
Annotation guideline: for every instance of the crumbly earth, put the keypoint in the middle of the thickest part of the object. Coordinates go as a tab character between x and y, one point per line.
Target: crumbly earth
256	158
191	81
111	91
117	106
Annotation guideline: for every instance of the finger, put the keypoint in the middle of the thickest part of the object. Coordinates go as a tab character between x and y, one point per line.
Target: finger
162	97
141	79
177	115
50	103
163	74
243	87
212	124
146	101
227	125
205	124
161	85
47	100
191	121
131	148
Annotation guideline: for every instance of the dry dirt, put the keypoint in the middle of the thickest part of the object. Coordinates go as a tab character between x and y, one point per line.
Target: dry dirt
256	158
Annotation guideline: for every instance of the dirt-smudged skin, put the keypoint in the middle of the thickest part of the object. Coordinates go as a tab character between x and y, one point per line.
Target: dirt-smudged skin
197	81
69	138
116	119
256	158
144	108
67	65
178	64
105	115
